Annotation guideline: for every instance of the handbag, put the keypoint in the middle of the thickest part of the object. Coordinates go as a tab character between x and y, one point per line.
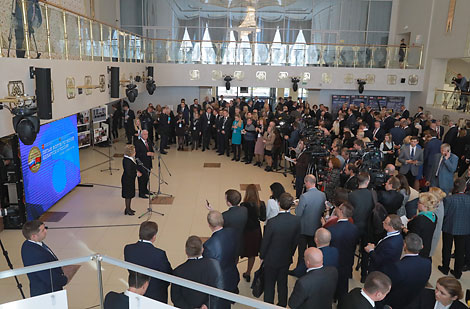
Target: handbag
258	282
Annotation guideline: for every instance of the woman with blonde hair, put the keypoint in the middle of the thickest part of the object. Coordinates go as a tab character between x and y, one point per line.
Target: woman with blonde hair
424	223
252	233
440	195
128	178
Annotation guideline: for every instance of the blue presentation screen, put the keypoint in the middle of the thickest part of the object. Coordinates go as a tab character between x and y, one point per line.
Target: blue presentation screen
51	166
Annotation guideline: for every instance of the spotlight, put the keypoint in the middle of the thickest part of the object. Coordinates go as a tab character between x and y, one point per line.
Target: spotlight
295	81
26	124
361	83
150	85
227	80
131	92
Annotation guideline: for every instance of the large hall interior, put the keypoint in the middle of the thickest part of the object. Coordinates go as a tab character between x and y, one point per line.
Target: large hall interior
275	123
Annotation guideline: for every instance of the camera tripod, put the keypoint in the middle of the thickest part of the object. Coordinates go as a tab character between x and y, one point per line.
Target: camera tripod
7	258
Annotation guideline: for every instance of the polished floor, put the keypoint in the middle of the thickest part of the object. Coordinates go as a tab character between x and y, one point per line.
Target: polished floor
95	221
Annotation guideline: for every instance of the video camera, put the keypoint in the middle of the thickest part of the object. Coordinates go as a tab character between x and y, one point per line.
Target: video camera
9	211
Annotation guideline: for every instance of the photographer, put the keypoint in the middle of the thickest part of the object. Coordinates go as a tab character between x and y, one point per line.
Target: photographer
301	165
391	198
349	178
460	83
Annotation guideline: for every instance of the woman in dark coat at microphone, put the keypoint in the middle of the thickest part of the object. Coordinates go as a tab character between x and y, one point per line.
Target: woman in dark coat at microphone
129	165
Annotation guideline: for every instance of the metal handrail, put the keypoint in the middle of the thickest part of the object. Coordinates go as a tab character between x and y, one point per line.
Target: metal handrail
98	258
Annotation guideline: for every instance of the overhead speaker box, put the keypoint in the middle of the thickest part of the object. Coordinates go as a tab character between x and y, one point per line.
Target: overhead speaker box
43	92
114	82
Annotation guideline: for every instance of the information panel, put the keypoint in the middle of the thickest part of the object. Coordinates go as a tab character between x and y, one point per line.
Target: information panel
51	165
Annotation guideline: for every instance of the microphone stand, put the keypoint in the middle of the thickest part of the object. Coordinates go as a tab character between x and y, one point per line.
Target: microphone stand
149	211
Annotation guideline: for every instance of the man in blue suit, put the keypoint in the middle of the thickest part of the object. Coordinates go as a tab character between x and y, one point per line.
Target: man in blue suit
388	250
222	246
344	237
432	147
144	253
34	251
444	165
330	254
138	284
409	275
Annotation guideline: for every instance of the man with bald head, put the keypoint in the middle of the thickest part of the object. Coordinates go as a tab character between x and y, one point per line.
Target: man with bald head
144	152
330	254
223	247
316	289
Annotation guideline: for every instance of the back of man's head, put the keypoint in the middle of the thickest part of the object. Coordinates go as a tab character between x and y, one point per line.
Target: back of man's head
233	197
215	219
310	180
377	282
193	246
395	222
363	178
322	237
147	230
137	280
413	243
313	257
459	185
31	227
347	210
286	201
395	183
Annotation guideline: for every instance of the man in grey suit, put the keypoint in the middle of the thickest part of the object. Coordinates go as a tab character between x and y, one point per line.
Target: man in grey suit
411	157
444	165
310	210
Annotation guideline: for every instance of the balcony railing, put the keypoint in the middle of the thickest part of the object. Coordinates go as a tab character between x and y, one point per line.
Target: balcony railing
64	34
456	100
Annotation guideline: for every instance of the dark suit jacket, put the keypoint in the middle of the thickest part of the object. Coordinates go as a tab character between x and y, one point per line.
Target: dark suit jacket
236	217
205	271
363	204
315	289
129	124
427	299
380	135
146	255
45	281
451	136
280	240
405	114
409	277
387	251
141	152
344	237
391	200
398	134
163	125
128	178
389	123
206	122
222	246
432	147
405	154
330	256
115	300
354	300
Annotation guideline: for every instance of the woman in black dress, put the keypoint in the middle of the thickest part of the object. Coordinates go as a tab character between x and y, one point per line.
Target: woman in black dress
252	234
128	177
425	221
180	130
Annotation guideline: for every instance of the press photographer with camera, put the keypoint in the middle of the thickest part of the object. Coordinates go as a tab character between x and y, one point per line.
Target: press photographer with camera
461	84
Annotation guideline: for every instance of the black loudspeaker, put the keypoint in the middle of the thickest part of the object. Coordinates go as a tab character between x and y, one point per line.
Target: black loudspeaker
150	72
43	92
114	82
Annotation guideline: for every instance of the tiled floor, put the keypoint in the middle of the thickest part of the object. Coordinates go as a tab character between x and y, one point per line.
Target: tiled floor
101	207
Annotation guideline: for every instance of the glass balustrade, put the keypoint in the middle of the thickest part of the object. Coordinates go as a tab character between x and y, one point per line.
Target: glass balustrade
455	100
57	33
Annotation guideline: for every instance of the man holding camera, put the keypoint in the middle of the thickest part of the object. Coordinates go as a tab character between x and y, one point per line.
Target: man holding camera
460	83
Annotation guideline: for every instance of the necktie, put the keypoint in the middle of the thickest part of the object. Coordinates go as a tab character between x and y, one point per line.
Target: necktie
412	153
48	249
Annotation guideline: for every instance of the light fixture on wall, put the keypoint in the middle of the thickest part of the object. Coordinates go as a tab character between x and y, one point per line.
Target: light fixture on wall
361	83
295	82
131	92
227	80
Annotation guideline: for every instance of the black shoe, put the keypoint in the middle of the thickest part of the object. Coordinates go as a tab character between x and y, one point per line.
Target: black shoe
455	274
129	212
163	152
221	154
203	150
443	270
247	277
465	268
143	196
248	162
233	159
167	147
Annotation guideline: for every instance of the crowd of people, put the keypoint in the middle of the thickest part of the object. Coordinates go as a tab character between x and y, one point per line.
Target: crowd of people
345	214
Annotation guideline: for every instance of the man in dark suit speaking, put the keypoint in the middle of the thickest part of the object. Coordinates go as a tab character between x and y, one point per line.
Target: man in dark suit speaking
317	287
144	152
376	287
143	253
34	251
444	165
